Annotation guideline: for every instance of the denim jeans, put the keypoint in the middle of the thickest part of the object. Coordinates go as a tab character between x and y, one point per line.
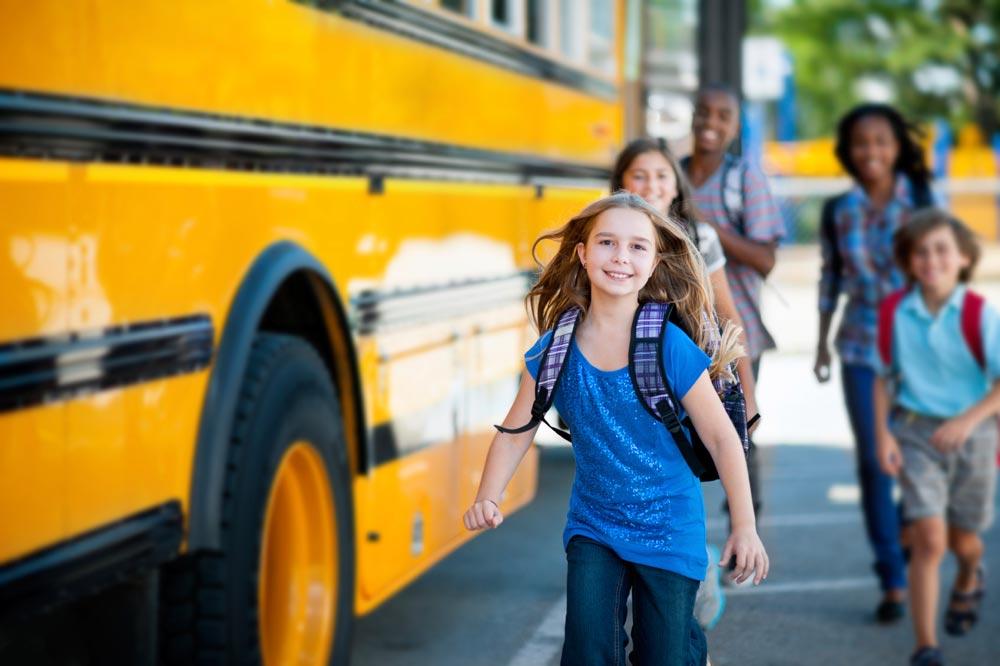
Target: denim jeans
664	632
881	514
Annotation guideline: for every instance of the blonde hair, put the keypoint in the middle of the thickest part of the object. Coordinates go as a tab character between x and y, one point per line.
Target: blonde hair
679	277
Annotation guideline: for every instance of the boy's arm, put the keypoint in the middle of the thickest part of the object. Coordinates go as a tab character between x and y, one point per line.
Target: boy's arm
505	454
763	224
760	256
702	404
887	448
954	432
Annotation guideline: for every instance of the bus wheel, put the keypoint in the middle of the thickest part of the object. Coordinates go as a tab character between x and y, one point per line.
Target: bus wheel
281	590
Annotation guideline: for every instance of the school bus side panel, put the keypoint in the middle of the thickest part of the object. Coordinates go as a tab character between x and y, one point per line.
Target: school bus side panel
283	60
34	304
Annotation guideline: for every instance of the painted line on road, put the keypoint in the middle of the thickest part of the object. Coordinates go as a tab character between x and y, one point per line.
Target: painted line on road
795	520
546	643
805	586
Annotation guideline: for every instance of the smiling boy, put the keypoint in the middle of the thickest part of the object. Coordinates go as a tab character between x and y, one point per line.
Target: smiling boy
733	196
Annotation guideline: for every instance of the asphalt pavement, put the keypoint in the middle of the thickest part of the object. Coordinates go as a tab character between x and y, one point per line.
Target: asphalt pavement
499	600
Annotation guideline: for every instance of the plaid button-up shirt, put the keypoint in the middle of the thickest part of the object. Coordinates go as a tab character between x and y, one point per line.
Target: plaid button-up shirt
762	222
860	264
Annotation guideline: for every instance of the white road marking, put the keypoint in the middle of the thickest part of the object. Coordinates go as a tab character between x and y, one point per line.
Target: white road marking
791	587
546	643
795	520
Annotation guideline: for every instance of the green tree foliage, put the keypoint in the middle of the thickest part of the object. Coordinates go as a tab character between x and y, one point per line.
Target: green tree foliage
939	58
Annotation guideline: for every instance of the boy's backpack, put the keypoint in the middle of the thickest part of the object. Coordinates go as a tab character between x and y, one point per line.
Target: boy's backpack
648	379
971	320
971	324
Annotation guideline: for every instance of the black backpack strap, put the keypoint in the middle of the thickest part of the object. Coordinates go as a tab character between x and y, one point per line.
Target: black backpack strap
828	230
922	195
549	373
735	218
649	379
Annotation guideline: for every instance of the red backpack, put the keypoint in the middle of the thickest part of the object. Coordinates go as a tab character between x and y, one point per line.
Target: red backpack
971	321
971	324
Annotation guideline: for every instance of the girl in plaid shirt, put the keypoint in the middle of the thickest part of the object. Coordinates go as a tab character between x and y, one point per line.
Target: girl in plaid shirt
879	150
636	522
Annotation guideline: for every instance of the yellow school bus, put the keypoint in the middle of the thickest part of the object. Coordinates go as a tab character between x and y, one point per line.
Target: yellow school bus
261	273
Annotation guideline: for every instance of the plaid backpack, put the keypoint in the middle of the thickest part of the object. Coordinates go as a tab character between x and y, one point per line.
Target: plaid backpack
648	379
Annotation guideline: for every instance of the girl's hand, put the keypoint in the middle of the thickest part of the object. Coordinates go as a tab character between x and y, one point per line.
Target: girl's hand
890	458
953	433
822	366
751	559
483	514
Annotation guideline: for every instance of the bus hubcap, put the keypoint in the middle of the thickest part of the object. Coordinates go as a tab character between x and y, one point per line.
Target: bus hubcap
297	586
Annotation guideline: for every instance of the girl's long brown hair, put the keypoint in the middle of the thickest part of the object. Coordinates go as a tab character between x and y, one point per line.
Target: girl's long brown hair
679	277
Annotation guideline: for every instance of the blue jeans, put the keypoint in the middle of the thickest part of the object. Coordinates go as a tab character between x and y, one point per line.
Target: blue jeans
881	514
664	631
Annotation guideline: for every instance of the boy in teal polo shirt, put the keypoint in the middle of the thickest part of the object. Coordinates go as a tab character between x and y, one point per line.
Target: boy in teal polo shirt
941	438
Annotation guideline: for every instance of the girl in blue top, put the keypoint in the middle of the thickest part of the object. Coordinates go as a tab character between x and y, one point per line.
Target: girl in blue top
636	522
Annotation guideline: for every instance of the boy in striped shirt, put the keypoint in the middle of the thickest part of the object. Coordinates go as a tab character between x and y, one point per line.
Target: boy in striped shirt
732	195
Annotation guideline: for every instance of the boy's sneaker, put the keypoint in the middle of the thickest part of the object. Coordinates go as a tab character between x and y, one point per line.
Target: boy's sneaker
927	656
710	602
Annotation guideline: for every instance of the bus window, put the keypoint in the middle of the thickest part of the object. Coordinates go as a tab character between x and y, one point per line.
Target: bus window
463	7
571	33
601	37
508	16
538	21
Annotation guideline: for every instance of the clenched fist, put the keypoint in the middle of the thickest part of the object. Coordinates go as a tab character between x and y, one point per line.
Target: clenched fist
483	514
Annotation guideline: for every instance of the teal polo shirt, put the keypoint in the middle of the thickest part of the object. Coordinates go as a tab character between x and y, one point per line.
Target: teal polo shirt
936	372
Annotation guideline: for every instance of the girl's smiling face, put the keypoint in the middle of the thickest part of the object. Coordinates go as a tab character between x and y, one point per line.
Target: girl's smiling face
651	177
873	149
937	261
620	252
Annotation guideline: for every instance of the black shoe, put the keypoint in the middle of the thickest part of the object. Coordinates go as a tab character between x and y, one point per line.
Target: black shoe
927	656
889	611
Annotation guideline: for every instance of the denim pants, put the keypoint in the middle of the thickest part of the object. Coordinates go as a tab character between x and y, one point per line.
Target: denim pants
664	631
881	513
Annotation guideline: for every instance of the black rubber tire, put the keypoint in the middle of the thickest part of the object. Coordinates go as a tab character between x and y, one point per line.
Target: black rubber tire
208	600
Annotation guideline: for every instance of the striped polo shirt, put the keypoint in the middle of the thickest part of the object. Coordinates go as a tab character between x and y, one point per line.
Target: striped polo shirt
762	222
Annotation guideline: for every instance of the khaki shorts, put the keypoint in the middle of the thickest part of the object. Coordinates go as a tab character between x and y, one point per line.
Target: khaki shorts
958	486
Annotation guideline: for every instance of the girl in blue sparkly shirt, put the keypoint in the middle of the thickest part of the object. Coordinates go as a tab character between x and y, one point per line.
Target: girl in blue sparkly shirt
636	522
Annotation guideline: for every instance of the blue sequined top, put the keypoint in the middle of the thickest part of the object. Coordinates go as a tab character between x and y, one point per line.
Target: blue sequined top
632	492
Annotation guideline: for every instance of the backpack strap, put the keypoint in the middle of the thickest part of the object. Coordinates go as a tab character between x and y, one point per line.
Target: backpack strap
731	193
549	372
922	196
886	315
828	233
972	325
649	379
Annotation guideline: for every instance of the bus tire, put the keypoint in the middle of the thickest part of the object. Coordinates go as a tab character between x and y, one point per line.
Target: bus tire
287	528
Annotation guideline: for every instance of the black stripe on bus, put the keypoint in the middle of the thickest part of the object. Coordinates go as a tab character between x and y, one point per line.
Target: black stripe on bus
436	29
50	369
91	562
88	130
